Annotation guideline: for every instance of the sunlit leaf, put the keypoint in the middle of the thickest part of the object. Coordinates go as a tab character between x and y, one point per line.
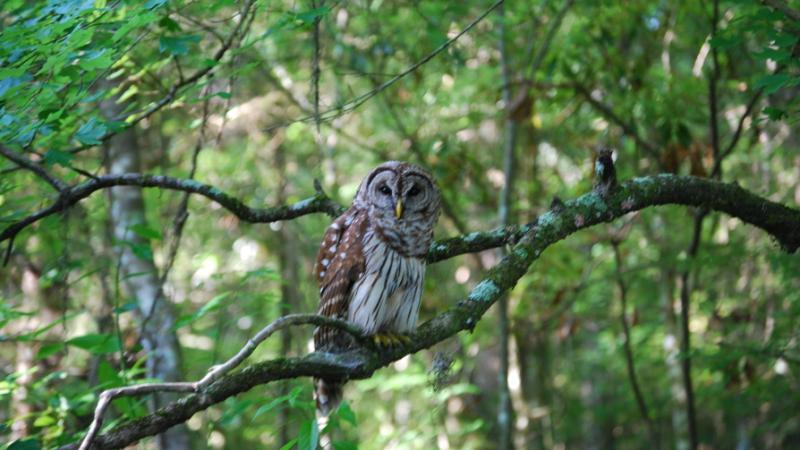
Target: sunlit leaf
212	305
308	438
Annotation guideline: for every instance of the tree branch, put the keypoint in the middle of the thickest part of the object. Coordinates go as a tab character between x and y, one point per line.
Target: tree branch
781	6
215	372
72	195
564	219
34	167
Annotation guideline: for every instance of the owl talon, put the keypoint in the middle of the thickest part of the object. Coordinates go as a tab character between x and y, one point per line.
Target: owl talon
388	340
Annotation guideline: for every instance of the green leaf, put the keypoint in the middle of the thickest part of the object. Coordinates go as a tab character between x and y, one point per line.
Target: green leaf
169	24
26	444
264	273
54	156
96	343
43	421
772	83
177	45
723	42
91	132
308	17
108	376
134	21
289	444
130	92
213	305
277	401
774	113
234	410
309	435
142	251
96	60
144	231
345	445
49	349
347	414
127	307
152	4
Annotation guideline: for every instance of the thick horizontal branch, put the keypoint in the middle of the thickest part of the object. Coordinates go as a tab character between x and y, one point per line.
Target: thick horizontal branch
562	220
319	203
72	195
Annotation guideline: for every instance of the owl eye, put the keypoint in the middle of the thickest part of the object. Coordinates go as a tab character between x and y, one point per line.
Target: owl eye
413	191
384	190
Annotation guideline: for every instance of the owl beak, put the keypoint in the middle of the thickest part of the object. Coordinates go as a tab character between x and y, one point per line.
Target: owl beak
398	208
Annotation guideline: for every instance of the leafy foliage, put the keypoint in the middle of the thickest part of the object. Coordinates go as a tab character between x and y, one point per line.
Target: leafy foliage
224	91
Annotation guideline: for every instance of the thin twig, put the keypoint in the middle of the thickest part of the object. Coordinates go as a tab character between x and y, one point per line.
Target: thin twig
717	169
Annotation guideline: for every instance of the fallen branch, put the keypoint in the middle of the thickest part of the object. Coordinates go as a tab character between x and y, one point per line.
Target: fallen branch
562	220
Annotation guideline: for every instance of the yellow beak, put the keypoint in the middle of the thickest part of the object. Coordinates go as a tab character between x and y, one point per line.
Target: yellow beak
398	208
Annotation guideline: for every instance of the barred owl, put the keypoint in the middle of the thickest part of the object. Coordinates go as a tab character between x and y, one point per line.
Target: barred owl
371	262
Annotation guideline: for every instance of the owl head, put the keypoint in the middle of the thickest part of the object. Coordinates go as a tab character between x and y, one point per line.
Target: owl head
403	203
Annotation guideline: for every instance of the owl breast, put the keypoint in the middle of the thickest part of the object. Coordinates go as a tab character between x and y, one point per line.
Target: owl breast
386	297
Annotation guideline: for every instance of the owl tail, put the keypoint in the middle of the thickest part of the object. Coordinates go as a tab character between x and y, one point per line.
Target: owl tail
328	395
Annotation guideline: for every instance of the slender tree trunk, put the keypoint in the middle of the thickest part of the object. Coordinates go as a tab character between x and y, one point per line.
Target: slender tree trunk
286	247
140	278
505	411
674	370
45	302
534	356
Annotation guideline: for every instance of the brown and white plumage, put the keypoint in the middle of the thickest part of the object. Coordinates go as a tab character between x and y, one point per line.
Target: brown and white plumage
371	262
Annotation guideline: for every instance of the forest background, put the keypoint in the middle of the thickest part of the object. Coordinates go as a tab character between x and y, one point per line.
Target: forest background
669	327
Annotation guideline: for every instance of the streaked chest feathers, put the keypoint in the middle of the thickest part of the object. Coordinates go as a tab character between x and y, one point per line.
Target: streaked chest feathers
387	296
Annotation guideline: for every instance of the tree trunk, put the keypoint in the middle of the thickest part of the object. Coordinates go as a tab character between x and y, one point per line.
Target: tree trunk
46	303
287	251
680	418
140	279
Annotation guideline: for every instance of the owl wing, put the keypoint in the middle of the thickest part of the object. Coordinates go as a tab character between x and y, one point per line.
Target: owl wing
340	263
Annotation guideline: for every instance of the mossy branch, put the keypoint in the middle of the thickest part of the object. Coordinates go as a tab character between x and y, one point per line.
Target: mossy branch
529	241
